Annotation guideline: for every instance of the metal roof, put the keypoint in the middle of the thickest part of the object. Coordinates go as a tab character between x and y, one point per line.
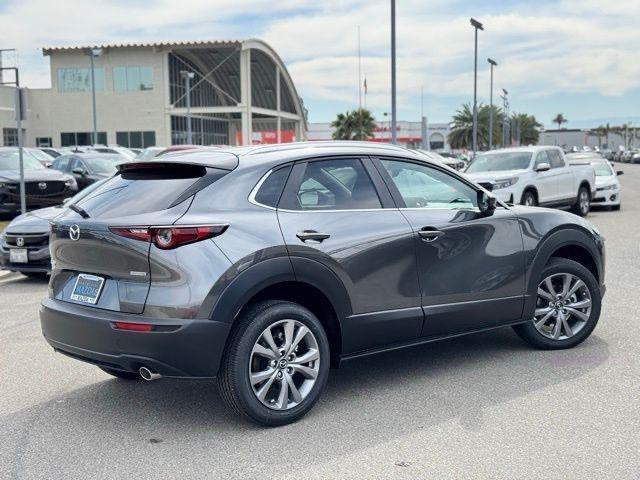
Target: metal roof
185	43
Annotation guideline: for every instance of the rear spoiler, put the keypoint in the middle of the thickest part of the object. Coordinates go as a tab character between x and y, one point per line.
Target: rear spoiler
199	158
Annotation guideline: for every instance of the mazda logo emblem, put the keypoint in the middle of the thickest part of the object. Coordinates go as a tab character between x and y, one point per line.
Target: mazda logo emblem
20	242
74	233
42	185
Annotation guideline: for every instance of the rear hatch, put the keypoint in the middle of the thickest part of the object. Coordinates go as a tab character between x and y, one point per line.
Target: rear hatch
95	267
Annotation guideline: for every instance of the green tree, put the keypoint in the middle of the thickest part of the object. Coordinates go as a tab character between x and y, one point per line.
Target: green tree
528	128
461	134
354	125
599	132
559	119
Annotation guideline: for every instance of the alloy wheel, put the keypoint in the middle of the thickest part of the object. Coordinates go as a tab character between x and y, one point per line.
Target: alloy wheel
284	364
584	202
563	306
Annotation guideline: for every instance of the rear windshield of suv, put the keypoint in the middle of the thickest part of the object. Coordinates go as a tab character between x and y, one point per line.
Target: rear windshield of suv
142	190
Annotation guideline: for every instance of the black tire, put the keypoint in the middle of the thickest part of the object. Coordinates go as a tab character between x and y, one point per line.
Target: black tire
577	207
529	333
529	198
615	207
121	374
233	379
36	275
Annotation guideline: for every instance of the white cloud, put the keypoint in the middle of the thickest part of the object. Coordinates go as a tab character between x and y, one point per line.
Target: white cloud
587	46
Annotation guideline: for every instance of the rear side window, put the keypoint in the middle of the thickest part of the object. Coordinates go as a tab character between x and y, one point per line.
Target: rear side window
341	184
142	190
269	192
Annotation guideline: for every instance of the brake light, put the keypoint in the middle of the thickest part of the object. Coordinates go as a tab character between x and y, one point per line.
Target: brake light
169	237
134	327
135	233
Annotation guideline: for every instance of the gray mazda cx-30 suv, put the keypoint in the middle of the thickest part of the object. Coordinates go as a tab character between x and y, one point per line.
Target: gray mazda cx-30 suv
264	266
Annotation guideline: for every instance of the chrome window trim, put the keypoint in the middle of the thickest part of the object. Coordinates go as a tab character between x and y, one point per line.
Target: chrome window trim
254	191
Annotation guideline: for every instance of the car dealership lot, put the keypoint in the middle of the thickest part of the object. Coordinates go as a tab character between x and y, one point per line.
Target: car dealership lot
481	406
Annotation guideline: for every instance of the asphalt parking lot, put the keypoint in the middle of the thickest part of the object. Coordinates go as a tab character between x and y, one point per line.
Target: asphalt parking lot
481	406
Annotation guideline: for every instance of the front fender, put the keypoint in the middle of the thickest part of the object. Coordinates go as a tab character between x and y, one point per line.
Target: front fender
538	258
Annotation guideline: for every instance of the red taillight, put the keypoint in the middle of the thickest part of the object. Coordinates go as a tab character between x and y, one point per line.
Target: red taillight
134	327
135	233
170	237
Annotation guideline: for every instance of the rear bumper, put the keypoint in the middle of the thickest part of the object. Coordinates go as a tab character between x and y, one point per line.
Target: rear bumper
183	348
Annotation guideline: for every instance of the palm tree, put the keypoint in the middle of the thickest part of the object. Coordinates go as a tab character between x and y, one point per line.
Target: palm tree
598	132
559	119
528	127
461	134
356	125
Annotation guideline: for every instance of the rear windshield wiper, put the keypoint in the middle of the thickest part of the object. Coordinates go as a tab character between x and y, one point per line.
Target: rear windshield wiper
79	210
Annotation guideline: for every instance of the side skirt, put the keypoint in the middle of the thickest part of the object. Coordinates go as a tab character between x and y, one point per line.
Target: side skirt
422	341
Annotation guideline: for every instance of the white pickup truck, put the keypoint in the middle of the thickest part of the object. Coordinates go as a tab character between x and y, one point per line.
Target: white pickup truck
535	176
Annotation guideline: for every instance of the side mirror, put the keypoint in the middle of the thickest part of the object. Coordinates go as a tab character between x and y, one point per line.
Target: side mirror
620	172
542	167
486	203
78	171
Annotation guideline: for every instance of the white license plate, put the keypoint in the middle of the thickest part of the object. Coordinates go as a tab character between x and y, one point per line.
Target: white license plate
87	289
18	255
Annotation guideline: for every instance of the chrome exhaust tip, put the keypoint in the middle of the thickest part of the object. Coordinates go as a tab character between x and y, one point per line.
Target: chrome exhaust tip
148	375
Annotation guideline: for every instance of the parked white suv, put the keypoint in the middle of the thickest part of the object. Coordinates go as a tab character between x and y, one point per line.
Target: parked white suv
535	176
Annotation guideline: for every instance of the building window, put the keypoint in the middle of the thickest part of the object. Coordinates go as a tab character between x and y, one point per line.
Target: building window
72	80
132	79
136	139
44	142
70	139
10	137
205	131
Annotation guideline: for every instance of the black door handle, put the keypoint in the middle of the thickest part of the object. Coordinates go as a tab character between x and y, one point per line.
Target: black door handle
312	235
430	234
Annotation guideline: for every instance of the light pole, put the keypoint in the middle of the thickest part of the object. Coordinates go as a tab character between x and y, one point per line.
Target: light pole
393	72
505	109
94	52
493	64
477	26
188	76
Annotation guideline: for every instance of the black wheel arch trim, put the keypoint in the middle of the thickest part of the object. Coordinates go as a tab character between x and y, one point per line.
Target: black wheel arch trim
532	188
270	272
547	247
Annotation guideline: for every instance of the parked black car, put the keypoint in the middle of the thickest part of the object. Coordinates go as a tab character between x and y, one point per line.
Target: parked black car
43	186
263	266
88	168
24	243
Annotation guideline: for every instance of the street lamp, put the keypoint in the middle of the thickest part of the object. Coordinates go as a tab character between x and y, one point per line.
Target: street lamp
493	64
94	52
505	109
188	76
477	26
393	73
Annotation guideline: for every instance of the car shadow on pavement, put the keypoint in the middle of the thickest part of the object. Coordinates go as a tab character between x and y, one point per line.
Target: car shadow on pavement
368	401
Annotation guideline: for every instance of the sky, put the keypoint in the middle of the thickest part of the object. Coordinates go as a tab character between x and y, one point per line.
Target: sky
576	57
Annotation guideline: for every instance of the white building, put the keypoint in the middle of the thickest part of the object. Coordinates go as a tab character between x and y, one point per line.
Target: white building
241	93
409	134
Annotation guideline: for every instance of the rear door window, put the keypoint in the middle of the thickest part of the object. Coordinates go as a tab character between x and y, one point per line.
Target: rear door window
340	184
142	190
